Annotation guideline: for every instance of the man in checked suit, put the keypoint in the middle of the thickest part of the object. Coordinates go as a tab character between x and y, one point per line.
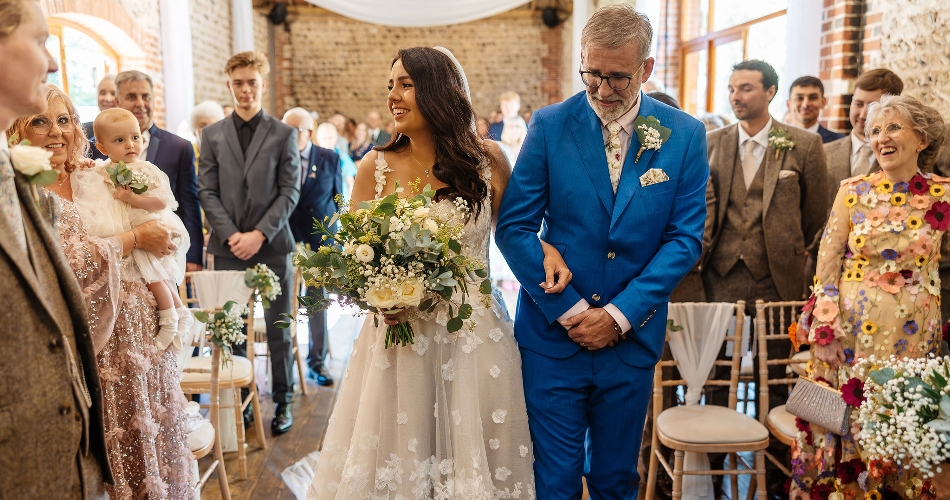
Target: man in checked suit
770	203
321	181
249	185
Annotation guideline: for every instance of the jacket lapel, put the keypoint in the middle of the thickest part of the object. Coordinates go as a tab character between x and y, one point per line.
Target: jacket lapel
632	169
155	138
589	140
772	166
234	144
729	149
252	149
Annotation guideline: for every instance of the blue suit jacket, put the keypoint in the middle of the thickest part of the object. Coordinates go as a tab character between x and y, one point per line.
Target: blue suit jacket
176	157
322	183
630	250
827	135
495	130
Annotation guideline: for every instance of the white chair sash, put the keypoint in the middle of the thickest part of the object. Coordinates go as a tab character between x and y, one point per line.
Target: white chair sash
214	288
695	346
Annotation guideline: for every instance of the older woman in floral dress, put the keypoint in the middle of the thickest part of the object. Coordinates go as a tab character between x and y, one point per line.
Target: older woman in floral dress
145	437
877	292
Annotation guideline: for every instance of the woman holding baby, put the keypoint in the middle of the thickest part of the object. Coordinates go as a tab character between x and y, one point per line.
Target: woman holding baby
147	445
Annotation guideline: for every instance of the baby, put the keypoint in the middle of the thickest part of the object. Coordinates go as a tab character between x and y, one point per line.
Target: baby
111	209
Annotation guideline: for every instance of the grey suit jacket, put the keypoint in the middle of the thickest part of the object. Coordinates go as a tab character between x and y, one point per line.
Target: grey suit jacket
795	203
257	190
48	438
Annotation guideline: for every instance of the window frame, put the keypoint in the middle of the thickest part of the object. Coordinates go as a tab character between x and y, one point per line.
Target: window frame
56	25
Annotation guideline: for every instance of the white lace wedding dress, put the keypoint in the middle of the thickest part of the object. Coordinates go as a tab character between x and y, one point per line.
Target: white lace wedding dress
441	419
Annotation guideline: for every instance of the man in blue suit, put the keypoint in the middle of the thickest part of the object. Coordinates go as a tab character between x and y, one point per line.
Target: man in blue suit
628	217
172	154
321	180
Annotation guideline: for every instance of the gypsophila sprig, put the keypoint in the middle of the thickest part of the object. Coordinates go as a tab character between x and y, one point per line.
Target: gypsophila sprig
392	255
906	416
226	327
122	175
779	141
264	282
650	134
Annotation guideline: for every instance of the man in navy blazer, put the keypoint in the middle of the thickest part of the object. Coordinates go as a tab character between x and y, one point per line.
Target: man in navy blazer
172	154
321	180
628	221
806	99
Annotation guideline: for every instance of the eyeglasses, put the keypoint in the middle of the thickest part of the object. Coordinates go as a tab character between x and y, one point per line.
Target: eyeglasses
616	82
890	129
42	125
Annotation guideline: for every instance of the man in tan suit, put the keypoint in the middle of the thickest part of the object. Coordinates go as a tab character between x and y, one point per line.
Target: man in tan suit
770	199
52	443
851	155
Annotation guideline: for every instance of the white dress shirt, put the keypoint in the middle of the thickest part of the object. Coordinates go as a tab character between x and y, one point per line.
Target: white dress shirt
814	128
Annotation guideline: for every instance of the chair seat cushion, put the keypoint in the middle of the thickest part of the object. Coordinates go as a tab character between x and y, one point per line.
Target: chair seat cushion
800	362
239	368
783	421
201	437
707	424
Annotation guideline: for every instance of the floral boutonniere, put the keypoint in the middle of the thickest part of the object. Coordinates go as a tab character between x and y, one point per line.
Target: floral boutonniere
650	133
33	163
779	141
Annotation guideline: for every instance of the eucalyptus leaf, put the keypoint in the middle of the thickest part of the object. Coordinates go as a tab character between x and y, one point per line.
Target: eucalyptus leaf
454	324
201	316
481	272
45	177
455	246
485	287
465	311
882	376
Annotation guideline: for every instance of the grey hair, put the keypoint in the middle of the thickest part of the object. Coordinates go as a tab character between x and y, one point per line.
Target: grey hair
207	109
132	76
617	25
925	121
301	113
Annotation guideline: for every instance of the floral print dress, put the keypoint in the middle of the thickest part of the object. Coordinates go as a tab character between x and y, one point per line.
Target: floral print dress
877	292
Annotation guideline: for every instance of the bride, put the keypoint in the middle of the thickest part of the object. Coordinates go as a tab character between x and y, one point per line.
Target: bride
445	417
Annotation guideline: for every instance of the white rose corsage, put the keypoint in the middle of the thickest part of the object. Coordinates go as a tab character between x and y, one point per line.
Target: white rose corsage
33	163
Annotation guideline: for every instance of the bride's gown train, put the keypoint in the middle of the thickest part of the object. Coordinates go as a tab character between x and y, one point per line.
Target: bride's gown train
443	418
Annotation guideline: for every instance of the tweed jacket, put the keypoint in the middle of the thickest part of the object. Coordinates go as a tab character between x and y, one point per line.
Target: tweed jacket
46	431
942	165
795	199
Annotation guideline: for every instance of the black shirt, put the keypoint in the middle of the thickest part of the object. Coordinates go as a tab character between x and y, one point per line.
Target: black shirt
246	129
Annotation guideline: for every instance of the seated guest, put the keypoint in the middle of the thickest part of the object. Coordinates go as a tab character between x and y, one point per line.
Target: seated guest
361	143
339	121
851	155
321	181
327	138
806	99
144	406
105	98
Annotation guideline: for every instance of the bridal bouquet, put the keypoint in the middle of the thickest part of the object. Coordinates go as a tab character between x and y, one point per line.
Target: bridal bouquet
392	254
904	412
264	282
226	326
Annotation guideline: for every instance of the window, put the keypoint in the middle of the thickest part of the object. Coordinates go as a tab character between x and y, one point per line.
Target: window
87	59
740	30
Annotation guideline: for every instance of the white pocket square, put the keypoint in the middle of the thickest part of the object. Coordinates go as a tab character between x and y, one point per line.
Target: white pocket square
653	176
784	174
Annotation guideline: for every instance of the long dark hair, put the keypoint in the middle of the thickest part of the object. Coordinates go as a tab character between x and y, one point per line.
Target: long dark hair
441	98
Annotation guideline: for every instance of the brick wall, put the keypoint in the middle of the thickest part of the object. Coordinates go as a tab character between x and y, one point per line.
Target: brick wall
211	48
667	31
339	64
841	57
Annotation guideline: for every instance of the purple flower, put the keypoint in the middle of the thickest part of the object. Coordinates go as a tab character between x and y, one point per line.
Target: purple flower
901	345
848	253
901	187
849	356
910	327
831	290
907	274
862	188
889	254
858	218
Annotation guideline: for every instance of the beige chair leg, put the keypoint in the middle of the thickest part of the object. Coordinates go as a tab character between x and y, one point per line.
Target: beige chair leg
239	420
298	357
678	474
651	475
734	479
760	475
222	474
258	420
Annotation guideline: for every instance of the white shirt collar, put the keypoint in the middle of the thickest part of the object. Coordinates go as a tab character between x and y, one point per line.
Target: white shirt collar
814	128
626	120
761	138
856	144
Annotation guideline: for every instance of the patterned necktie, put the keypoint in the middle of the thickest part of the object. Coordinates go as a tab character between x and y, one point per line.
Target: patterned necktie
12	217
749	165
614	158
862	166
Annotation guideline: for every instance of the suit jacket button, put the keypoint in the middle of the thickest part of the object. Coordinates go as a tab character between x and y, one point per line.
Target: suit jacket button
611	255
55	344
595	297
64	409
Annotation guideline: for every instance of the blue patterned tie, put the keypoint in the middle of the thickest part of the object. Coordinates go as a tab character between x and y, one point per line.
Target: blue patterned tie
12	217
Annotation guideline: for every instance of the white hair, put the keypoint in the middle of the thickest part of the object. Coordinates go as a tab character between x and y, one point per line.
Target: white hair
207	109
303	114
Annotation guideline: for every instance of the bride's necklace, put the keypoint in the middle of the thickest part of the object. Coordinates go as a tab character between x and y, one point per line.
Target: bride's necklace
424	169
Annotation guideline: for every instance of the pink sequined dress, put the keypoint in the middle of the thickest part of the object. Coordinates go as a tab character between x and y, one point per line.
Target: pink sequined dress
144	404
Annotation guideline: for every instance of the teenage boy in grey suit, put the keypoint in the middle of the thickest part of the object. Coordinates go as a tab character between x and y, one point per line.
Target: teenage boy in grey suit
249	185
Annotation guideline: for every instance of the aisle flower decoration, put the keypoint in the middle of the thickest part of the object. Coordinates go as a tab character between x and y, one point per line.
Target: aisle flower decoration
226	326
393	254
264	282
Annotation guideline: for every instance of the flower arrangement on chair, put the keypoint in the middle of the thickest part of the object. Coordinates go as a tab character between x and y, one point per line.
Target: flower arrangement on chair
226	326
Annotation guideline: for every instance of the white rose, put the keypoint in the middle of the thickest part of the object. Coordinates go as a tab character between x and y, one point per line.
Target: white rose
348	248
420	213
364	253
412	292
382	297
432	226
30	160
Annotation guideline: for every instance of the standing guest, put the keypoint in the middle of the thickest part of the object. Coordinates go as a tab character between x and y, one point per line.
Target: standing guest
327	138
228	109
105	98
339	121
361	143
852	155
171	154
770	203
52	443
806	99
250	183
588	353
377	136
510	107
321	181
147	447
